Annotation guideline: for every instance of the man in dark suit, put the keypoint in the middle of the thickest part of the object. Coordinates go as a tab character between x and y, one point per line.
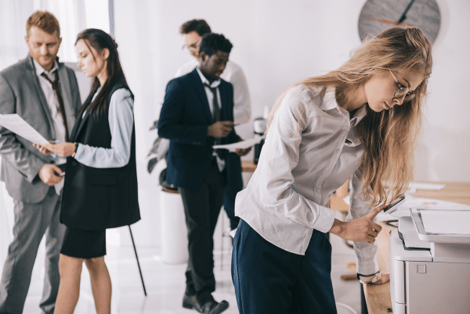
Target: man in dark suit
45	94
197	113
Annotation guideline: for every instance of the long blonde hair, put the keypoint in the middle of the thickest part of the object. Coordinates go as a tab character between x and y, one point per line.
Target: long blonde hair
389	137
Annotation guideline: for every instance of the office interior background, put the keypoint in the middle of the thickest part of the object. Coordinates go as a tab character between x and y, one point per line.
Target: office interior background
276	42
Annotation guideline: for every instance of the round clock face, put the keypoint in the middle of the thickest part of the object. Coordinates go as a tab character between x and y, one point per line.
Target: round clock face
379	15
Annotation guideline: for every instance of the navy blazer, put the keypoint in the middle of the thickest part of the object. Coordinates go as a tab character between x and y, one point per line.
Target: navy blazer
184	119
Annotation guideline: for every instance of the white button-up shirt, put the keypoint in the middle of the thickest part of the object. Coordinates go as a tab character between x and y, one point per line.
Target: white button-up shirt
310	151
52	101
53	104
233	73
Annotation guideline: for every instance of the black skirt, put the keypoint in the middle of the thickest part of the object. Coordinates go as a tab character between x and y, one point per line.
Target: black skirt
83	243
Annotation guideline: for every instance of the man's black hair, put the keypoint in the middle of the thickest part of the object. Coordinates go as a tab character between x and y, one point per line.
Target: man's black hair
199	26
211	43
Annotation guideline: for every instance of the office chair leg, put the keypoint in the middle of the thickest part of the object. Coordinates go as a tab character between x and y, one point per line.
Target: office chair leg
222	245
138	263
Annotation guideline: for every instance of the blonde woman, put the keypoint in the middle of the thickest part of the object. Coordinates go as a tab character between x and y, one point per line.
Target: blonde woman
359	121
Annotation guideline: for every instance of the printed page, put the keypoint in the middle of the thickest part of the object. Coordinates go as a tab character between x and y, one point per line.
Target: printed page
17	125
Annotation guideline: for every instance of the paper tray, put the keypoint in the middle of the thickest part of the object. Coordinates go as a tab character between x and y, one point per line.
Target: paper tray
437	237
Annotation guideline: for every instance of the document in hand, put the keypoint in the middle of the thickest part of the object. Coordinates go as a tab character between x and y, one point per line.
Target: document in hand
239	145
17	125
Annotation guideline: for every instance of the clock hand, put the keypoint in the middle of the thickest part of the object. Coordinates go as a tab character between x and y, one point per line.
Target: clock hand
386	21
403	16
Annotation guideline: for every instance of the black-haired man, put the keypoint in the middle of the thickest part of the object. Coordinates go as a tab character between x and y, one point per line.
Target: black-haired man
192	32
196	114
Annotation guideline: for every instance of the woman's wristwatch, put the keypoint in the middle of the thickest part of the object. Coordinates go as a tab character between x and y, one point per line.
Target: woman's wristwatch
369	278
76	147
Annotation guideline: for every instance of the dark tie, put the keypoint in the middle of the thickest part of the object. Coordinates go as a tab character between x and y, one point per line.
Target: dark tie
55	87
215	114
215	103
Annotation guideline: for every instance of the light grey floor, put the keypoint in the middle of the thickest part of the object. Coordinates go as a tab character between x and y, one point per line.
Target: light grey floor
165	283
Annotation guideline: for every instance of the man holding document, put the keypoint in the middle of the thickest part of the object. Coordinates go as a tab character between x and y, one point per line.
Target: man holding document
197	113
44	93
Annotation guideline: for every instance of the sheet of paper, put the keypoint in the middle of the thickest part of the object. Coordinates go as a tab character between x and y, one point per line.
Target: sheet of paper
426	203
453	222
417	202
239	145
17	125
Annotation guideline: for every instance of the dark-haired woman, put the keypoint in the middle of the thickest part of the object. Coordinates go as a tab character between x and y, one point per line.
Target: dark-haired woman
100	188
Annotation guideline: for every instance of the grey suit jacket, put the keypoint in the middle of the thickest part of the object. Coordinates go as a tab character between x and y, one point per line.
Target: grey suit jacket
21	93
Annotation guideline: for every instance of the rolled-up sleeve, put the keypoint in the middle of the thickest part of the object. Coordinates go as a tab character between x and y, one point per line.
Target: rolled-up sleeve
366	253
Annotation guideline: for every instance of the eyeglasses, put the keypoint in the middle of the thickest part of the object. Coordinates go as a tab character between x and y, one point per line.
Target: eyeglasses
193	47
402	90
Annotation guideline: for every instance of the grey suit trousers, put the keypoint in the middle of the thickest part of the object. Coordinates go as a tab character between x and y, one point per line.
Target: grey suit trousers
32	221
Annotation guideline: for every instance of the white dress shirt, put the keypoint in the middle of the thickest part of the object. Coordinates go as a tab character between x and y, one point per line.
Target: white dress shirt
210	99
233	73
310	151
53	104
121	122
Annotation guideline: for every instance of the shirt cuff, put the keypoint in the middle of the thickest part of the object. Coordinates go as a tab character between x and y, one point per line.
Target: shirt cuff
367	267
80	149
326	218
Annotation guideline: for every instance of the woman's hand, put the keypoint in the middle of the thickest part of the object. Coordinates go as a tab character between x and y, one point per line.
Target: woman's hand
361	229
384	278
61	149
42	149
375	279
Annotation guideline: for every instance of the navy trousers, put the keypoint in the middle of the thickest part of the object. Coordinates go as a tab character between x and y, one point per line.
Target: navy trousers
269	280
234	185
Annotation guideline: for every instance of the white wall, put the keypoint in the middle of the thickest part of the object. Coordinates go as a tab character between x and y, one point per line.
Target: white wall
279	43
444	151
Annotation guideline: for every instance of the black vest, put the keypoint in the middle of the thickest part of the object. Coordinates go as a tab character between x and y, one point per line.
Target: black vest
99	198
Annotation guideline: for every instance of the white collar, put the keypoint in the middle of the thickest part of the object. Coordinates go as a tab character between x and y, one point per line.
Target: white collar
359	115
329	102
40	69
214	84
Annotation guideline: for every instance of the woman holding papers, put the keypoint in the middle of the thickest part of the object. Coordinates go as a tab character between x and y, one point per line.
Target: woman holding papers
359	121
100	188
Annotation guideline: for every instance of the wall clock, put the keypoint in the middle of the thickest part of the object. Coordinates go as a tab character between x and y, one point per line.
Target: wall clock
378	15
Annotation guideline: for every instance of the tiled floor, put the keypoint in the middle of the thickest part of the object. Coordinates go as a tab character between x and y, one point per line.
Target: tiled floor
165	283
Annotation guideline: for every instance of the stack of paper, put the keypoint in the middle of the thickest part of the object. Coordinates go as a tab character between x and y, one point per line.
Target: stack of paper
446	221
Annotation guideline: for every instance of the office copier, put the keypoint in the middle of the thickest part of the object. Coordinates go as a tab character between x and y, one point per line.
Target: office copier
429	272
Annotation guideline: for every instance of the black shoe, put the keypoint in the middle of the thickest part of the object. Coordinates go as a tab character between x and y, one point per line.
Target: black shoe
210	307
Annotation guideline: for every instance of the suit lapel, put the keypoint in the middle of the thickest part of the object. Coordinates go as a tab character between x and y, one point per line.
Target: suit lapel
202	94
80	121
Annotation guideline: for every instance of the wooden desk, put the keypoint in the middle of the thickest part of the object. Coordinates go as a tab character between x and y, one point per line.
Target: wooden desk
248	166
378	296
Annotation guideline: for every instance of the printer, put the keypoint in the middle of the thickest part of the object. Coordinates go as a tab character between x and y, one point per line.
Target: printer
430	271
